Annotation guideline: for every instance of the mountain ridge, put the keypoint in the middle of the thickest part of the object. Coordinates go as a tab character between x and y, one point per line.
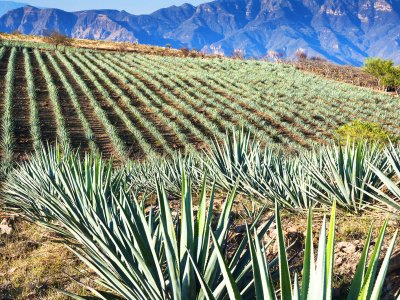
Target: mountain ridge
343	31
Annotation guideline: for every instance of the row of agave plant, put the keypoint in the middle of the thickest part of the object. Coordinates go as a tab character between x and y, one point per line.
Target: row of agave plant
142	250
352	175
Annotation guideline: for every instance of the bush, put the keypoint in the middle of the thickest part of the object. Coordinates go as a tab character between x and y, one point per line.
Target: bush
387	74
185	52
58	39
360	131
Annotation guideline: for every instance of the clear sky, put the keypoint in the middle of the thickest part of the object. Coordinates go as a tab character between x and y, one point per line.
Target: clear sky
132	6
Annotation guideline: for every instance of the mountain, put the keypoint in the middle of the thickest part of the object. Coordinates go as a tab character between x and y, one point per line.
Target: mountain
343	31
6	6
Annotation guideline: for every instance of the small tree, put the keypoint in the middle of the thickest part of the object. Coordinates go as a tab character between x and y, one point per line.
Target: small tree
185	52
391	80
275	56
239	54
123	47
387	74
301	55
58	39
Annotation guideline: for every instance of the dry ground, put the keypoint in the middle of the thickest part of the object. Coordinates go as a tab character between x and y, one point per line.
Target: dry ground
103	45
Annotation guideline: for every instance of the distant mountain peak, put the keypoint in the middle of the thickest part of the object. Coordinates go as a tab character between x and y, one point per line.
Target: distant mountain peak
343	31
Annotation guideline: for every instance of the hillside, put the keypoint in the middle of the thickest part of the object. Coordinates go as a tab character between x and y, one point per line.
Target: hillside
98	229
344	31
136	105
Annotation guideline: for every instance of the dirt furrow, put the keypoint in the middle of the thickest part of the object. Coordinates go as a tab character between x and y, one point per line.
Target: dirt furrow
48	127
147	112
134	151
21	111
3	72
73	124
102	140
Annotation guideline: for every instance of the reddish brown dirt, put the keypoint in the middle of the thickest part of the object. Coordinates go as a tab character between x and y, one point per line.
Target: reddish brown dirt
48	128
73	124
102	139
347	74
21	111
115	120
3	72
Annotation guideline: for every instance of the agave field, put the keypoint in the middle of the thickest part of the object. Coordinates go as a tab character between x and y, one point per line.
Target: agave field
145	250
138	106
169	122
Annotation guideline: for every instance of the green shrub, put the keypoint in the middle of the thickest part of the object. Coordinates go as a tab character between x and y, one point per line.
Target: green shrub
360	131
385	71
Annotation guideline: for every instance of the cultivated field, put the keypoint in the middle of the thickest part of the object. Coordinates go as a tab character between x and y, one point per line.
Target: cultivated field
125	224
136	106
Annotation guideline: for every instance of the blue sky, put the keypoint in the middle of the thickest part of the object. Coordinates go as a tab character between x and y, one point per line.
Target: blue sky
133	6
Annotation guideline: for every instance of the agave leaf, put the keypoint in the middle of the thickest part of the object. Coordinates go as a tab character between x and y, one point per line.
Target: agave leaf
204	218
296	290
205	288
259	279
170	243
369	278
330	253
264	271
230	283
187	237
284	274
308	263
390	185
358	279
221	230
375	295
318	277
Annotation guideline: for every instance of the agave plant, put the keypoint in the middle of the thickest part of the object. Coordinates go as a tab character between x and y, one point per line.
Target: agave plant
282	179
345	174
317	276
390	182
264	174
229	159
141	174
138	252
144	252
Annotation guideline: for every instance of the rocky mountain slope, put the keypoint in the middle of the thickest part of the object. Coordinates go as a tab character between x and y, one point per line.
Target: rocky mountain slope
343	31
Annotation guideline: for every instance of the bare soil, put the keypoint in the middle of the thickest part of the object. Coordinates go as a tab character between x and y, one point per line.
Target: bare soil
21	111
72	122
112	116
102	139
48	128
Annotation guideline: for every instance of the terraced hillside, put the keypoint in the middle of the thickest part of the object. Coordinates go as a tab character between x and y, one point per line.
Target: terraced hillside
136	105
